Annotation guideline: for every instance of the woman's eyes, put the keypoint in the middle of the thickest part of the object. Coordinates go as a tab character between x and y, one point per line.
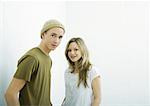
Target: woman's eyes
69	50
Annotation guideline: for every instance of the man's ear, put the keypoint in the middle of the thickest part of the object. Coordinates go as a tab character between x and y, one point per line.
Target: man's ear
43	35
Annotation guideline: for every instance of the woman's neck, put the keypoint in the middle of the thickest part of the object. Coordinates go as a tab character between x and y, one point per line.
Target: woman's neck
76	70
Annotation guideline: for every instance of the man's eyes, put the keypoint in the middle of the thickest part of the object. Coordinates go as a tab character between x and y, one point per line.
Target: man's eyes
54	35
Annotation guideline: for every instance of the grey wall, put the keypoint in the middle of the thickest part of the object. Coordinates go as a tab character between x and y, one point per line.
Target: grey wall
116	33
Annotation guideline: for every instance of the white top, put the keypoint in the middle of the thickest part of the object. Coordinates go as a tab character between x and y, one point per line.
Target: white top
79	96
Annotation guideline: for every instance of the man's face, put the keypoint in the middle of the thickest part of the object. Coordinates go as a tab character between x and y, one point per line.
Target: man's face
52	38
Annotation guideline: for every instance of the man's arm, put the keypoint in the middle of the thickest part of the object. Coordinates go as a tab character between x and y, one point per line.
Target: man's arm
12	91
96	91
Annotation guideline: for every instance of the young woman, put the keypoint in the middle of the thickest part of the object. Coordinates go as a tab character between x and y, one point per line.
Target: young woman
82	79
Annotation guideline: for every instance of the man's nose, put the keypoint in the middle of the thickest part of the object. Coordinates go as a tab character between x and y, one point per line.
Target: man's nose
56	40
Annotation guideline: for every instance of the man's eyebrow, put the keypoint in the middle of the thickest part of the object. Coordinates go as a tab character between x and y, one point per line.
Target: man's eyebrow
54	33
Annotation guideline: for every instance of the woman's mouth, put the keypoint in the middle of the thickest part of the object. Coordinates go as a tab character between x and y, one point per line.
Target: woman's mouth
73	57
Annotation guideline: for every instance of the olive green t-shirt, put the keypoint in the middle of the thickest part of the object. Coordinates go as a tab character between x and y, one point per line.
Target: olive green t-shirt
34	67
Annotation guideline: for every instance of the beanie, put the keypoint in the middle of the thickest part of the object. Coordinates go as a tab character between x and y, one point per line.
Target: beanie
51	24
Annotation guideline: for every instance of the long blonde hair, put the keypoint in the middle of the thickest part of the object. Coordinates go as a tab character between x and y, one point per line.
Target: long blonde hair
83	64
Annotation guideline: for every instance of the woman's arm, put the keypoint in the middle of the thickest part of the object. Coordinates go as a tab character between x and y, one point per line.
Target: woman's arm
11	94
97	91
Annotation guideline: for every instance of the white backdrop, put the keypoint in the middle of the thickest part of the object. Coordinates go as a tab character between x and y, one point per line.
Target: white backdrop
116	34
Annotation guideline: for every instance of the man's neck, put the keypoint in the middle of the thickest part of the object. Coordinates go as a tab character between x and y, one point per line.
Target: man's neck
44	49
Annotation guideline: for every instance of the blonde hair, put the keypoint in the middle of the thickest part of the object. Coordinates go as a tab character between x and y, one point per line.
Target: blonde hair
83	64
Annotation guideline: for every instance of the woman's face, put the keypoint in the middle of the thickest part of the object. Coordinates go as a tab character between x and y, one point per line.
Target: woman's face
74	53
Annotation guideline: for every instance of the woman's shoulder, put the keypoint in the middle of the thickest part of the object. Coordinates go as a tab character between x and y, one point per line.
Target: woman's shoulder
93	73
68	70
94	70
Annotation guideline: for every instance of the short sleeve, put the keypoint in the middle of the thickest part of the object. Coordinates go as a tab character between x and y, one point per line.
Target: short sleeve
26	66
93	73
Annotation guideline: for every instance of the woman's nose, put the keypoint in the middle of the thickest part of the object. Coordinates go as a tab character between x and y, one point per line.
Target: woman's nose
72	52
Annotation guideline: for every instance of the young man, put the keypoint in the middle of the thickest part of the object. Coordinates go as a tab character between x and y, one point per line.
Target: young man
32	79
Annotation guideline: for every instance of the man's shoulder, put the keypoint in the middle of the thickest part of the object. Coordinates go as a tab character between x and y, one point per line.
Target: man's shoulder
32	51
29	54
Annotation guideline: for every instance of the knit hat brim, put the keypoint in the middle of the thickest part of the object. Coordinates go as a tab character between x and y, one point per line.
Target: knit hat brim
51	24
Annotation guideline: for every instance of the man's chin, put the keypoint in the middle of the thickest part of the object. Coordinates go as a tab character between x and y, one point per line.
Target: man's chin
53	49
